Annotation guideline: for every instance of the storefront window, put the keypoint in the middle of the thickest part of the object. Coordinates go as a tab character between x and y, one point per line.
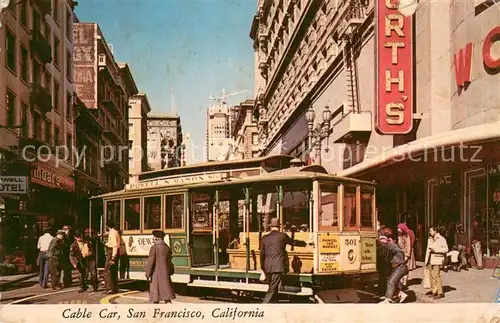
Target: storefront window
494	216
350	207
152	212
328	215
113	212
132	214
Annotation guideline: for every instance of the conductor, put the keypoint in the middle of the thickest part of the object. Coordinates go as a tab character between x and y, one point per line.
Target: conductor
274	259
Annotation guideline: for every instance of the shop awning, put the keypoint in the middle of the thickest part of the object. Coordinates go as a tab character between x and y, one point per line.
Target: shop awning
468	136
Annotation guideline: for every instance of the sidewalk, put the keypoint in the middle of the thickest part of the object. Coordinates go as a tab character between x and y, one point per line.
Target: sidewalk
472	286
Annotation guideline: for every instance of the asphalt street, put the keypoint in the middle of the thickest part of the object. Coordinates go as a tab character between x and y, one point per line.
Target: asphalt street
29	292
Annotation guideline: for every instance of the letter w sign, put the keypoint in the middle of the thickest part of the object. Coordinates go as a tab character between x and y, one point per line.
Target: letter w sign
463	60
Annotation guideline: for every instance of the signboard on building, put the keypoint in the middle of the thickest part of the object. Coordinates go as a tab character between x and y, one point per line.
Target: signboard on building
178	181
394	69
48	178
463	58
13	185
85	62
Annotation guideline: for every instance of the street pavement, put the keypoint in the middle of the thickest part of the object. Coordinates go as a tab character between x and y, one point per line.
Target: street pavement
464	287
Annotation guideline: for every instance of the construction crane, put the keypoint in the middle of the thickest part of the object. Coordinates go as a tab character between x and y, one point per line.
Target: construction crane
223	98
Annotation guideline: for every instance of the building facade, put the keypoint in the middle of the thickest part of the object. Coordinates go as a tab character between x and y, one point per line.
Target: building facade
36	80
165	146
321	53
104	86
138	129
244	132
218	137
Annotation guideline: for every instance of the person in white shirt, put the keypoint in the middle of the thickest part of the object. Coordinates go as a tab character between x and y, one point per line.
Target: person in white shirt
111	266
43	259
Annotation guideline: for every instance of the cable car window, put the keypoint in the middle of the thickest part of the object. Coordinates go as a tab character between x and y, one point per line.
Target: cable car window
366	208
202	213
350	207
328	214
132	214
152	212
296	211
266	209
174	211
113	212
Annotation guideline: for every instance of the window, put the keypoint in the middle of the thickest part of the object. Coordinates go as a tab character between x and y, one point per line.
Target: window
10	45
57	136
47	80
152	213
366	208
11	109
296	210
24	63
24	13
37	122
202	215
255	139
350	207
24	119
133	214
328	215
36	22
69	107
48	131
69	141
69	23
174	211
69	63
37	73
113	210
57	50
56	96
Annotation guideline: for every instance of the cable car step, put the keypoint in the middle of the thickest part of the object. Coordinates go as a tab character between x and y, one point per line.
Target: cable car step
291	290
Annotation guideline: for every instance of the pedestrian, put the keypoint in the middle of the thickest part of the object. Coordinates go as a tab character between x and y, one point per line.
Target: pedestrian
67	268
80	254
274	259
384	266
477	240
93	242
54	253
159	268
460	244
43	259
111	265
404	242
437	248
399	268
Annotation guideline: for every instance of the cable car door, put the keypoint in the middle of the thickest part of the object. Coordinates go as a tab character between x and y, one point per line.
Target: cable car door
202	239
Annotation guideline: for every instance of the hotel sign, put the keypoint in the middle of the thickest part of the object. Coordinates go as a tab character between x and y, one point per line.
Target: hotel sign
177	181
394	69
13	185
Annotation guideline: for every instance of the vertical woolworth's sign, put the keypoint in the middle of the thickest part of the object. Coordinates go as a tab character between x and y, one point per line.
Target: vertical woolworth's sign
394	69
85	62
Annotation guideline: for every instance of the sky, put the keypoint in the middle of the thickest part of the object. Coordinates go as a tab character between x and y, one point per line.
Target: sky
196	47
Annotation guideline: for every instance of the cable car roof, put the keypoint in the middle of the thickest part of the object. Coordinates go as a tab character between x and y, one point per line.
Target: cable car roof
310	172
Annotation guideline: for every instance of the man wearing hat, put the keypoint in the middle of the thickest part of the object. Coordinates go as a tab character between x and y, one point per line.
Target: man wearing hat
159	268
273	257
54	253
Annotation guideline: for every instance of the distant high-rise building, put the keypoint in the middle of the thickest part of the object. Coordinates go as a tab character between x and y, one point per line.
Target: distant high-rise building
218	139
137	123
164	141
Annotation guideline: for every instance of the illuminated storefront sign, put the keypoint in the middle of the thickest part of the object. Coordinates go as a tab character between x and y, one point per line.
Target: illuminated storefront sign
394	69
46	177
463	58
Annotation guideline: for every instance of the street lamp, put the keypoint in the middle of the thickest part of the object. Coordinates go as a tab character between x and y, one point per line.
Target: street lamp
320	132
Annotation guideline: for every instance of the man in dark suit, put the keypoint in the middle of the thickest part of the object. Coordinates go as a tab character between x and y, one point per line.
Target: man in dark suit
273	257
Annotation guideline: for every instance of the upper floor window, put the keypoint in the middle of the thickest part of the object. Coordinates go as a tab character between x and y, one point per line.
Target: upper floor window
24	12
24	63
57	50
11	109
69	23
10	46
55	11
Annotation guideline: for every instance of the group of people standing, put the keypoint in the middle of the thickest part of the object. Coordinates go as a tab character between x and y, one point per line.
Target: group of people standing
63	253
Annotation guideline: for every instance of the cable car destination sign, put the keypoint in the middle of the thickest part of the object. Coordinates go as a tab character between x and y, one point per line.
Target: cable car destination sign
191	179
394	69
